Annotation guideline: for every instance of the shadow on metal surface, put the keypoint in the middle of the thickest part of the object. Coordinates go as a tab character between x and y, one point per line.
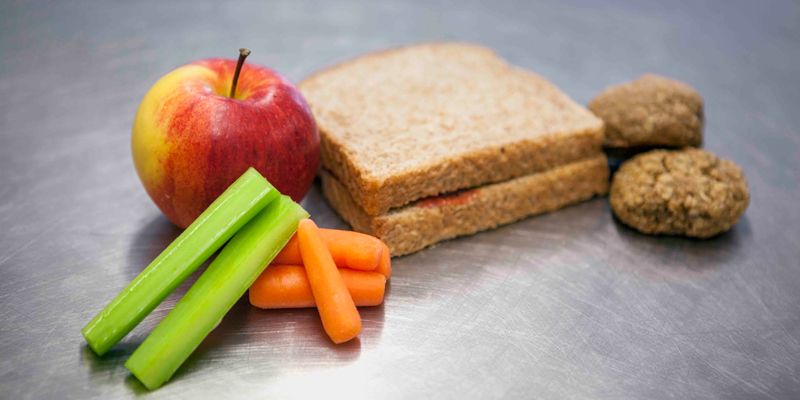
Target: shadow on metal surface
677	258
109	361
151	239
105	366
227	335
302	330
135	386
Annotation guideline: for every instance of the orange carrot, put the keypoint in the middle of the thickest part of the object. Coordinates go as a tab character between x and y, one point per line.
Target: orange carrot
385	265
348	249
287	286
339	315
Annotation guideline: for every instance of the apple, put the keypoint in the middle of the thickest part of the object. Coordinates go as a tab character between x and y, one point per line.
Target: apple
202	125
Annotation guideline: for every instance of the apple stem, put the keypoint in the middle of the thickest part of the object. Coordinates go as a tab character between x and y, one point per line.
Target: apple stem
243	53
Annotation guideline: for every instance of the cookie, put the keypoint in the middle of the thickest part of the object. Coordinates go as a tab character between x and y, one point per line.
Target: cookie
651	111
679	192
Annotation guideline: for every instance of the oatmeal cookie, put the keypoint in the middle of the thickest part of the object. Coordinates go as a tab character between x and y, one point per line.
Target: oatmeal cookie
651	111
679	192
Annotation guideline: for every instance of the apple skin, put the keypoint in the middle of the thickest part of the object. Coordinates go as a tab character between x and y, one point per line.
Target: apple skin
190	141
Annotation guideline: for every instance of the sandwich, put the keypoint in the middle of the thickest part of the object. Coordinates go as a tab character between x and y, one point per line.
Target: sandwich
429	142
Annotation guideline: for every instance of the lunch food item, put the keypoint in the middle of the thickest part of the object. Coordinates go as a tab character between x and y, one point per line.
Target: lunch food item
422	121
245	198
687	192
651	111
287	286
427	221
349	250
339	315
262	222
385	264
193	135
419	121
200	310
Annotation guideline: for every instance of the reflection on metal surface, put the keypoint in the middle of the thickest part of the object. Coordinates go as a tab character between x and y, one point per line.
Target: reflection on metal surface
564	305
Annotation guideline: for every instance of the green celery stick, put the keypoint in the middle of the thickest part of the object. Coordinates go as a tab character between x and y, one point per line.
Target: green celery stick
227	278
244	199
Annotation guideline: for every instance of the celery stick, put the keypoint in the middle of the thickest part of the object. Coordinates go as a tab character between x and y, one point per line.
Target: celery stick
233	271
224	217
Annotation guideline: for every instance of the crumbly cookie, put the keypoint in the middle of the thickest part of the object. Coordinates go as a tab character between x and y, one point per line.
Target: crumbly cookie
681	192
651	111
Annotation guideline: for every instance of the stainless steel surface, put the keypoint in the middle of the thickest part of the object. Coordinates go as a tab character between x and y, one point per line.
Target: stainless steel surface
565	305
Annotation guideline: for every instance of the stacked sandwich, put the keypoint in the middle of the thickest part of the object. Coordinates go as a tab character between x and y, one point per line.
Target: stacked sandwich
429	142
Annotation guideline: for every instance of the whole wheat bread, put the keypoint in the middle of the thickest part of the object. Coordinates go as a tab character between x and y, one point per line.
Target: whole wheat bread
427	221
418	121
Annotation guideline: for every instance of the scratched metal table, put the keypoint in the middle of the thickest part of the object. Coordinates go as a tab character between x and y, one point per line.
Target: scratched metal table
565	305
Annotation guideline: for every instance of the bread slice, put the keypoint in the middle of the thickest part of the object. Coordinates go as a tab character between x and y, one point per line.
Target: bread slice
427	221
418	121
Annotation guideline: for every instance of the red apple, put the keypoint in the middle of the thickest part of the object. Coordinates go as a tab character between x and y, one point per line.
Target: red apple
191	139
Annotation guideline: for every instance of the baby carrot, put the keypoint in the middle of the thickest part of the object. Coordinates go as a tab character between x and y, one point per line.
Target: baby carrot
287	286
336	309
348	249
385	264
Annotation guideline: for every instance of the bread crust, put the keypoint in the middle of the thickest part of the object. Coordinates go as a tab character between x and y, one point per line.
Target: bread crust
422	223
573	135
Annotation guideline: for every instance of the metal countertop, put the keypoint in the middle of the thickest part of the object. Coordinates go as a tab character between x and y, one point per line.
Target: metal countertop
566	305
